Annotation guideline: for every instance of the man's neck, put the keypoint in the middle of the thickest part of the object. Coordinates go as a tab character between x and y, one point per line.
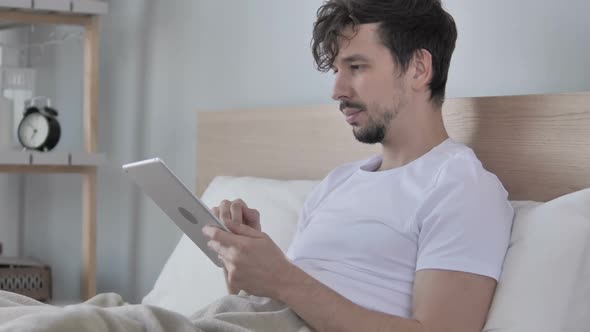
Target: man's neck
405	146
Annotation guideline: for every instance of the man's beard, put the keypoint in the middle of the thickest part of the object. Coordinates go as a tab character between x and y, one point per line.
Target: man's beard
376	129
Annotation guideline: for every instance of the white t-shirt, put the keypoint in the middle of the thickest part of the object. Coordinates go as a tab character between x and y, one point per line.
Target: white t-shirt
365	233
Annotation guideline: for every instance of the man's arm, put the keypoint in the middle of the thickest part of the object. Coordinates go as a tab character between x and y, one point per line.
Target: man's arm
325	310
443	300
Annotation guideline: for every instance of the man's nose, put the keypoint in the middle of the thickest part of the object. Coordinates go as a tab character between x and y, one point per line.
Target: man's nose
341	89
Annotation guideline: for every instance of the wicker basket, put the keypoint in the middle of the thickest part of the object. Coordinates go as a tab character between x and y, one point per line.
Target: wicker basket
25	276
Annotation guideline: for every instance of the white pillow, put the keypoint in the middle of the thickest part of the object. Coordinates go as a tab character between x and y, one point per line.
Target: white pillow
545	284
189	281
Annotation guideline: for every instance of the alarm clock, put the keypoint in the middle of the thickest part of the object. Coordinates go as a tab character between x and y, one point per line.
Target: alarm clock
39	128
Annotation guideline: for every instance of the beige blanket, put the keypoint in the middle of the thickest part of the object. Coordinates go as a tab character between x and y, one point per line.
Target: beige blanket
108	312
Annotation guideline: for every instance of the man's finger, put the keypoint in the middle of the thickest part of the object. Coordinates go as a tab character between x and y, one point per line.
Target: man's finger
217	247
224	211
221	236
215	212
236	212
223	252
244	230
241	202
251	214
248	213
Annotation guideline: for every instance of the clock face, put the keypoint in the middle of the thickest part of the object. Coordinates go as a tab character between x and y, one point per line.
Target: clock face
33	130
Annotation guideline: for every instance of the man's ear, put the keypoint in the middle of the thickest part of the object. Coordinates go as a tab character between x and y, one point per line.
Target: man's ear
422	70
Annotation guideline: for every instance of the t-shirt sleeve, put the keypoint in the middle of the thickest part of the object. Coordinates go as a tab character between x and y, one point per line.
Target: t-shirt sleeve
465	221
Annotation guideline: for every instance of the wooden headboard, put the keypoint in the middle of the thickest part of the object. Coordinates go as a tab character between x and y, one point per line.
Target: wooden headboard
538	145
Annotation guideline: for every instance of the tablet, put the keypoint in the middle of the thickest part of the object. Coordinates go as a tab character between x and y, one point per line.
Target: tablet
187	211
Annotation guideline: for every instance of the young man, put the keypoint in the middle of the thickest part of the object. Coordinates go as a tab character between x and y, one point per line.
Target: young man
411	240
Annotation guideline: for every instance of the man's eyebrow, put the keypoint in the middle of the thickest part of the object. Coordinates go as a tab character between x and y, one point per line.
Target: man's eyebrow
355	57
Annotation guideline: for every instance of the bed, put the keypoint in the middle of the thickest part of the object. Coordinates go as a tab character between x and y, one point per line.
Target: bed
538	145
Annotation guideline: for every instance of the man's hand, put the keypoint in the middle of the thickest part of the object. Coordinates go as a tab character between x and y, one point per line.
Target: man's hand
253	262
237	212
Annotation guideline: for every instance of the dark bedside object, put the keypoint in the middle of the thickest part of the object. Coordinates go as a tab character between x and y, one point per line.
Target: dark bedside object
26	276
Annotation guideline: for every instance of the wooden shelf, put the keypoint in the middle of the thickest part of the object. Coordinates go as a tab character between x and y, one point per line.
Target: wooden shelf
75	7
76	158
62	162
46	169
82	13
17	13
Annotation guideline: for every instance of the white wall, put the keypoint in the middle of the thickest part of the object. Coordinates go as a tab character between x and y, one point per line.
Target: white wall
11	185
52	210
161	60
520	47
10	197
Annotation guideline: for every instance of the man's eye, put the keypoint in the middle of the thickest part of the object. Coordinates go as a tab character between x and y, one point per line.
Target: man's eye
355	67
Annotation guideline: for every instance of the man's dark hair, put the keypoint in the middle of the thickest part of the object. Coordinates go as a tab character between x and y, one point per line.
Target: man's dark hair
406	26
